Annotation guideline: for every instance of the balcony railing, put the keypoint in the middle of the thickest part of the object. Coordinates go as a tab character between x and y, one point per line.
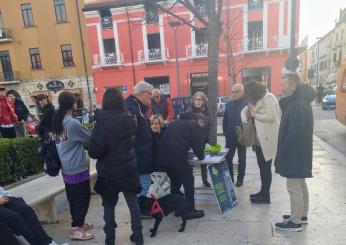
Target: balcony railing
255	5
107	22
151	17
199	50
152	55
5	35
110	59
255	43
9	76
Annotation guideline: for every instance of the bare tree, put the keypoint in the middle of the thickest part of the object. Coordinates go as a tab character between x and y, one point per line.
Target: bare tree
212	23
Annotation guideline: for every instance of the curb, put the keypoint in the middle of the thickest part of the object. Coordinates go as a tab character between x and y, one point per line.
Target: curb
340	157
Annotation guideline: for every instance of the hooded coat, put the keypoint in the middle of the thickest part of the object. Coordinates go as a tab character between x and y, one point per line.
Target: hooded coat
294	152
112	144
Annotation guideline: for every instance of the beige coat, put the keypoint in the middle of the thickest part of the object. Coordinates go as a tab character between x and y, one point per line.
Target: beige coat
267	121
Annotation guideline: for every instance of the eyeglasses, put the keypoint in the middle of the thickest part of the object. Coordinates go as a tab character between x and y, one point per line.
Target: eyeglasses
199	99
235	92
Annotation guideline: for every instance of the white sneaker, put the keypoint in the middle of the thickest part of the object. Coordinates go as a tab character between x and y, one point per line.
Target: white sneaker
54	243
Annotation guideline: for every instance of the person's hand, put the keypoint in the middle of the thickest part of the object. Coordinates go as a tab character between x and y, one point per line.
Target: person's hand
3	200
253	114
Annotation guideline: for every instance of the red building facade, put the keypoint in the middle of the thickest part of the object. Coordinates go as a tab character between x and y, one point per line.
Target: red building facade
134	42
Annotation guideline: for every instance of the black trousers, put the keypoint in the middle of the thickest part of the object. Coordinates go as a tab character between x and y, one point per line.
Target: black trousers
8	133
78	196
109	216
7	236
241	160
265	172
185	178
23	221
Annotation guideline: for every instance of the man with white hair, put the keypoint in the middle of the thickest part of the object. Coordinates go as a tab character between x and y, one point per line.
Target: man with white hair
231	119
161	106
137	104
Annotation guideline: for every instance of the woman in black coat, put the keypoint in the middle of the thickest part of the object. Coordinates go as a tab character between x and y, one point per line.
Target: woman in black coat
112	144
200	105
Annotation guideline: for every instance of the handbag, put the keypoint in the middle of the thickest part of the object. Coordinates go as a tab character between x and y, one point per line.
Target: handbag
49	152
246	133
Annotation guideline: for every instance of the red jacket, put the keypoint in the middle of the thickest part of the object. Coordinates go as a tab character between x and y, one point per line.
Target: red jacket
165	108
7	112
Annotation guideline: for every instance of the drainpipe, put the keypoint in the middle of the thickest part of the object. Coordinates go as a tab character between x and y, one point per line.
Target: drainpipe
131	47
84	58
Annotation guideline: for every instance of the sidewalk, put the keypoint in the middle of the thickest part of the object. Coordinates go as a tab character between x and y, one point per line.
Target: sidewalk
247	223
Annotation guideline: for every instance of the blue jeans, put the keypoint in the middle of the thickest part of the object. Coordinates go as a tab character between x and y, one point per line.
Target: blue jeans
145	182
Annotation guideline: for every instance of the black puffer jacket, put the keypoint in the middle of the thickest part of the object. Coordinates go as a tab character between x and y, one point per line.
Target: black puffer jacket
179	137
294	153
143	135
112	144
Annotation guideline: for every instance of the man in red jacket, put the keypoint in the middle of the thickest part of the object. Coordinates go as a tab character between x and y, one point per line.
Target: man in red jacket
160	106
8	117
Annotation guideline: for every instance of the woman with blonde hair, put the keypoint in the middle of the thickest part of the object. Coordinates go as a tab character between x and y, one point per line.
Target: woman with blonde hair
200	105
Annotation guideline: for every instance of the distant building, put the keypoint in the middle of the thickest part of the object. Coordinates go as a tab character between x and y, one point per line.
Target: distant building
130	41
41	44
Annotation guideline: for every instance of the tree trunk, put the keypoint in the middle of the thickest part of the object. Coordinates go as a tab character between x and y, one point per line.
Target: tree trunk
214	32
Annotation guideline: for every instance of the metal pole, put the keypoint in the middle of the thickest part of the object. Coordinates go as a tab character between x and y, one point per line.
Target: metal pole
177	59
293	29
318	63
83	55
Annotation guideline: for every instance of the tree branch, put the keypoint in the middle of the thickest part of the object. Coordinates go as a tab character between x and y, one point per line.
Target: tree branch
192	9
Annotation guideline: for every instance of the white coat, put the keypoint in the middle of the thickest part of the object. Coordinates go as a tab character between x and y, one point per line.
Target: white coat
267	122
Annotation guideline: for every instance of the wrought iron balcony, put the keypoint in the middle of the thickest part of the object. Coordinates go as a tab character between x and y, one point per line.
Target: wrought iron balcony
255	43
201	9
199	50
110	59
153	55
151	17
255	5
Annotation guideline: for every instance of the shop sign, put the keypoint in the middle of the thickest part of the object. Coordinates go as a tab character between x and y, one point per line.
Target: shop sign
55	85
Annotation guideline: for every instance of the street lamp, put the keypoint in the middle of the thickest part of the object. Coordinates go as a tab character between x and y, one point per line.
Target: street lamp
175	25
318	60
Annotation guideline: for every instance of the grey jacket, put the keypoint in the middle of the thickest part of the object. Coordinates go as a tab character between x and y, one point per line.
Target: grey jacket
70	146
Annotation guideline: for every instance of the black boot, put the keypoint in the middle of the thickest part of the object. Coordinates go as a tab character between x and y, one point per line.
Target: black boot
137	238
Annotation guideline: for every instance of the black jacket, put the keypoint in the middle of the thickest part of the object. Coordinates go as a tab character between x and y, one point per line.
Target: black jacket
231	119
21	110
111	143
179	137
143	135
156	137
294	153
208	117
46	122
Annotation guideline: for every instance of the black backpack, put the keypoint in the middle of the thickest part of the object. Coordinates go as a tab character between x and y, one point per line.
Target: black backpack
49	152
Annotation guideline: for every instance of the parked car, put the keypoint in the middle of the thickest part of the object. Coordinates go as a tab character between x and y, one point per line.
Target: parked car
221	104
329	102
30	125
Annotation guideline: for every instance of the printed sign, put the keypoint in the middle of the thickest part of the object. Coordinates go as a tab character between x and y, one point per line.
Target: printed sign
55	85
223	186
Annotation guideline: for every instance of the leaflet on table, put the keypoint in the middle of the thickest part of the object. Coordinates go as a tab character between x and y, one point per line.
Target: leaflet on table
209	157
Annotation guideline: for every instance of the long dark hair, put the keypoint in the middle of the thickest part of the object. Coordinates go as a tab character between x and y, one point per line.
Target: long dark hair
66	101
113	100
254	91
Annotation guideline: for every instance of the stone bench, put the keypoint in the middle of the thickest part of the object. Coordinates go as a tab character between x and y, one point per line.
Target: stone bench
40	194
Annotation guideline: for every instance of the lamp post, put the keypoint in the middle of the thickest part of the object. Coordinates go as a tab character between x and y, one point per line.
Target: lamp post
175	25
318	61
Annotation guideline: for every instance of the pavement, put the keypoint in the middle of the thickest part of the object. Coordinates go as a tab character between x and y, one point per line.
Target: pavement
245	224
